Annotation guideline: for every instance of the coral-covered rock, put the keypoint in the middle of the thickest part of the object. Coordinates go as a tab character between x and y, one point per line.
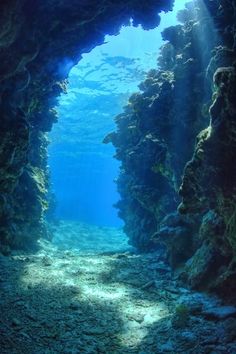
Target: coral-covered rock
177	233
209	178
202	267
173	135
156	134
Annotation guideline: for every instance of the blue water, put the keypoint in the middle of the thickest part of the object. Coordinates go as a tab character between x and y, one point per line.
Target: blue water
82	167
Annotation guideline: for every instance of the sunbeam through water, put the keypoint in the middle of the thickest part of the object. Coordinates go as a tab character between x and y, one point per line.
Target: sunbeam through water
123	240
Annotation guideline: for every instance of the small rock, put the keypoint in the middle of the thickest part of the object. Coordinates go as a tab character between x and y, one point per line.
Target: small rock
148	285
46	323
194	307
31	317
159	267
5	250
167	347
230	329
119	256
74	290
101	348
181	316
221	348
186	340
139	318
16	322
189	337
219	313
46	261
25	335
74	306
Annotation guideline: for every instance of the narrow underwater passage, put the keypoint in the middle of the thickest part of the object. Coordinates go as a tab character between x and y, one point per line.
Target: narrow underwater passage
86	289
83	169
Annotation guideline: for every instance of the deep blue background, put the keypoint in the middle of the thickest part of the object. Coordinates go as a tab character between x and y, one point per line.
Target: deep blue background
82	168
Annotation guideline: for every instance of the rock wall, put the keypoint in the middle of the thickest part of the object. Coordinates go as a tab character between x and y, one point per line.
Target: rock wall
177	140
209	180
40	41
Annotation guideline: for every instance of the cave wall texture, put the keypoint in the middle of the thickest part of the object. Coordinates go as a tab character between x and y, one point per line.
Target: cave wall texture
39	43
176	142
176	139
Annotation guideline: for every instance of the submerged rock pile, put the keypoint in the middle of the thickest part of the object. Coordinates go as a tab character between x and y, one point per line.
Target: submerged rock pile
162	160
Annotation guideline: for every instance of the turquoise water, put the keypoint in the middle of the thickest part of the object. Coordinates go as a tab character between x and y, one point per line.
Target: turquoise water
83	169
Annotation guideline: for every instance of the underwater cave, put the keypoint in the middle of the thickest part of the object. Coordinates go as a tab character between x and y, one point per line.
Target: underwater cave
83	169
118	176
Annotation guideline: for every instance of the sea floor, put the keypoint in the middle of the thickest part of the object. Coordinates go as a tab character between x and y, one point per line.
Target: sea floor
94	299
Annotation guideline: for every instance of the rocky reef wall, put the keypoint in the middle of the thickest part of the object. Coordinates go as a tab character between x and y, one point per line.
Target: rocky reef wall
176	142
40	42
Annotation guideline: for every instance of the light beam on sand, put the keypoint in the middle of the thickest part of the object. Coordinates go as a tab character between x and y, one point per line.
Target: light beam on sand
83	277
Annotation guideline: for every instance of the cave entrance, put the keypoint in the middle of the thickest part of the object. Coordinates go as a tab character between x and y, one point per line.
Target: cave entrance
83	169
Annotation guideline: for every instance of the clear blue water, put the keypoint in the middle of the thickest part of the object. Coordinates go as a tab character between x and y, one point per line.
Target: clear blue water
83	169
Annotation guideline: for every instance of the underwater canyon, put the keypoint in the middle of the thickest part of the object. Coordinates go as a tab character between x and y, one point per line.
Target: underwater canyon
166	283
